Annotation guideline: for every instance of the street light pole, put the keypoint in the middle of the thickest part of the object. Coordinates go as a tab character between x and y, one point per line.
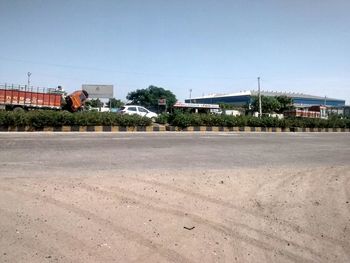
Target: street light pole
29	74
259	94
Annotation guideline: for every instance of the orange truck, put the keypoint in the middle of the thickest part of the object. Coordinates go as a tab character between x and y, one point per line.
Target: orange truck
19	97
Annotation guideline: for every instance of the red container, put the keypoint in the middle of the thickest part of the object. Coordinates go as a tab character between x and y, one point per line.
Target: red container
14	96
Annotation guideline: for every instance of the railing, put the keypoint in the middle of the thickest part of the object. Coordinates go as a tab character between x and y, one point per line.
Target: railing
26	88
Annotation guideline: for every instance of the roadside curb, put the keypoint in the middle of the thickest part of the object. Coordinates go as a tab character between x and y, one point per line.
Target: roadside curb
84	129
162	128
253	129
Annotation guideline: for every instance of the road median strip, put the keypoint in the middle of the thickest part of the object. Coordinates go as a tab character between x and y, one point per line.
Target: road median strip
163	128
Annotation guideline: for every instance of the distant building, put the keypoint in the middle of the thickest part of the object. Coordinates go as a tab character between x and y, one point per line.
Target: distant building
245	98
346	111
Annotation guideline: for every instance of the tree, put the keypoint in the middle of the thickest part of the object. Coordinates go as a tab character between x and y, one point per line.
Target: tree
149	97
115	103
277	104
94	103
286	103
268	104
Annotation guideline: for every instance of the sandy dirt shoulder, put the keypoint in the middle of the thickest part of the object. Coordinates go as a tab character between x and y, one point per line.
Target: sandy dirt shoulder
246	215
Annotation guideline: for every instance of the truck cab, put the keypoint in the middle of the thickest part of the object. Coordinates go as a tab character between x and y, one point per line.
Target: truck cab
76	100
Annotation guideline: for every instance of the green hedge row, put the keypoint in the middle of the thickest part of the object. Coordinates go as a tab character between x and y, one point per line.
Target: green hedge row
185	120
40	119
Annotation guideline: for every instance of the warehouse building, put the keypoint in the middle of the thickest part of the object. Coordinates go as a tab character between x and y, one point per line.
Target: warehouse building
245	98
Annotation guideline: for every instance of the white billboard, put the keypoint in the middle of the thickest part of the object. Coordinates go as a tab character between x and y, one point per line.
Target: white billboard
98	91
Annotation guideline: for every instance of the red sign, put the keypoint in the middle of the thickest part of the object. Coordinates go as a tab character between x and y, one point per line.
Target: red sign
162	102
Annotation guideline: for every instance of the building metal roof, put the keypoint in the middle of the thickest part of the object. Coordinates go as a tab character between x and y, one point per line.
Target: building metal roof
265	93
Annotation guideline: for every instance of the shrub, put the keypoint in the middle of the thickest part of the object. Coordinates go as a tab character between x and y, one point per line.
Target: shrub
13	119
163	118
42	118
183	120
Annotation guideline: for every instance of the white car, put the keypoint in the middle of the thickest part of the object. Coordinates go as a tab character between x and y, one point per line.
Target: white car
138	110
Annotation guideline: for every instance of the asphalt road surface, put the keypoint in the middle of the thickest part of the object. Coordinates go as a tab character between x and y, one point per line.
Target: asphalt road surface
30	152
174	197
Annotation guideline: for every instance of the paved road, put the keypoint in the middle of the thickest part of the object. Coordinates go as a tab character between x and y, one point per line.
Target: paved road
21	153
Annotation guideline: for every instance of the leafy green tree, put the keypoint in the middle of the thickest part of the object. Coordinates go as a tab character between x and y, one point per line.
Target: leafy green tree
268	104
94	103
285	102
115	103
149	97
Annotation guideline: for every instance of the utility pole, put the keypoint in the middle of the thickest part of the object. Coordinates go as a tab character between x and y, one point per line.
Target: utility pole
259	95
190	95
29	74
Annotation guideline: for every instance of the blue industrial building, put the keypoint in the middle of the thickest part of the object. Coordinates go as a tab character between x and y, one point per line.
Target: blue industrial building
245	98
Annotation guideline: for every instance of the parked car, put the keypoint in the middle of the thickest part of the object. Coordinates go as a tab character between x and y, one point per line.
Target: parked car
138	110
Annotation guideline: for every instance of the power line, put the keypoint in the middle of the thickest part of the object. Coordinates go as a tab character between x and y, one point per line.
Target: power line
79	67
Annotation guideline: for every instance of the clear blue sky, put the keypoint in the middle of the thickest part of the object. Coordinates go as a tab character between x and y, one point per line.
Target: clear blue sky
206	45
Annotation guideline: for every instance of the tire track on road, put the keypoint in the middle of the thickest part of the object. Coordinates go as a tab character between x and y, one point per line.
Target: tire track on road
35	246
218	227
66	239
291	225
126	233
